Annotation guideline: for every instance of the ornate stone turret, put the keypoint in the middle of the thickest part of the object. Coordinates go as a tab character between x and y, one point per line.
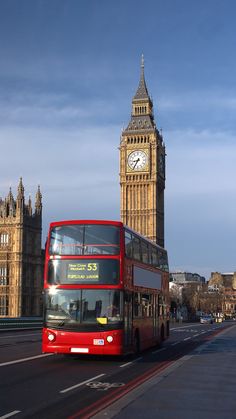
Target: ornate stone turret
38	201
20	200
29	207
11	205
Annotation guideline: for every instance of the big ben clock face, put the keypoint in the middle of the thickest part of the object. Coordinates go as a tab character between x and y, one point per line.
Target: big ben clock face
137	160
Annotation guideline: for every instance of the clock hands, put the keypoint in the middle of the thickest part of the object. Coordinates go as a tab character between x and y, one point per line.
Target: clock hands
135	162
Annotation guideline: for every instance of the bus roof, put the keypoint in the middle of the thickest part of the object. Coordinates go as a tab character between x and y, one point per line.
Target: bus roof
65	222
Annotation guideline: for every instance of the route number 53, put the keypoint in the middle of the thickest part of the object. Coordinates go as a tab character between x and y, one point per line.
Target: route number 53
92	267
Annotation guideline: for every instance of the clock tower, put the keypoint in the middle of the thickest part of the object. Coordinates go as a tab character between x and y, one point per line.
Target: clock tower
142	169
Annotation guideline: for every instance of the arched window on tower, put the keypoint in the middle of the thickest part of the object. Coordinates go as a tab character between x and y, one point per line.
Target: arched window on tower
4	305
3	275
4	239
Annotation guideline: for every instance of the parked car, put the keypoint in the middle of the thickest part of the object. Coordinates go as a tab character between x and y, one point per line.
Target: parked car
206	319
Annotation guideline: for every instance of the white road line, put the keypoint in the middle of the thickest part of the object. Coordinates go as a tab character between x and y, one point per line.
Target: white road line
8	415
18	361
188	338
129	363
158	350
175	343
180	327
184	327
80	384
194	336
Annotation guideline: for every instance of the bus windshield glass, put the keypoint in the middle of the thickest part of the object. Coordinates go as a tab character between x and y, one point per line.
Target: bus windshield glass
88	239
83	271
78	309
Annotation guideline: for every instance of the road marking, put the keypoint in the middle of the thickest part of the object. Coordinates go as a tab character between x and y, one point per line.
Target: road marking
158	350
184	330
194	336
175	343
8	415
188	338
18	361
113	406
180	327
80	384
100	386
129	363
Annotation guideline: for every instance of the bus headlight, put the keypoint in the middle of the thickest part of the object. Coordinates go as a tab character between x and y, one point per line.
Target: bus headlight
51	337
109	339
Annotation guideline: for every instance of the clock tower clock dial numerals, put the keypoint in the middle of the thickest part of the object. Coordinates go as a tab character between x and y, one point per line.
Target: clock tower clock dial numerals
137	160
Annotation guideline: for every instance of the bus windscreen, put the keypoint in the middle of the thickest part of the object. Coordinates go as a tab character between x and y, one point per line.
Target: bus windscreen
88	239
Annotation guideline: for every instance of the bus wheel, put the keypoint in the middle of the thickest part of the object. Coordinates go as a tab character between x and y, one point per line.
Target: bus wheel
136	343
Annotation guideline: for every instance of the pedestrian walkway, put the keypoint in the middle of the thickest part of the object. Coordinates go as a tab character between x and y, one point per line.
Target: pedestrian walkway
200	385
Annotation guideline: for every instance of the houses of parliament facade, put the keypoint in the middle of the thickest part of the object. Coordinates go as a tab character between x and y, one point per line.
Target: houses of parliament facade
21	256
142	184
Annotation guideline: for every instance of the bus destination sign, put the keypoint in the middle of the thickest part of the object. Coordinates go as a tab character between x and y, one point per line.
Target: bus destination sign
85	271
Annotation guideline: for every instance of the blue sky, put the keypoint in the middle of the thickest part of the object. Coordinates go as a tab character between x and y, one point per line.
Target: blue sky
68	72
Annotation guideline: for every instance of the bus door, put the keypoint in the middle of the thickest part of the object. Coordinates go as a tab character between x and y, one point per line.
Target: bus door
127	318
155	315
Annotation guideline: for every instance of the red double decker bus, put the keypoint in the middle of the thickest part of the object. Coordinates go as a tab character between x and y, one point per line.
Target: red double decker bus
106	289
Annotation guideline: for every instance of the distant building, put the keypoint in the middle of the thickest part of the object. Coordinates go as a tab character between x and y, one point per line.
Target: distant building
21	259
186	277
185	291
225	283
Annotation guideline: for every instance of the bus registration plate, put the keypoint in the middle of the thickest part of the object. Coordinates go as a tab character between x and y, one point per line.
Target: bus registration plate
98	341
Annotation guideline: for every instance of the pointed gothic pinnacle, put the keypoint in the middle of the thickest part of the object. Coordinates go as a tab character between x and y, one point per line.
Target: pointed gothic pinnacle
142	61
38	197
20	186
30	206
10	196
142	67
142	92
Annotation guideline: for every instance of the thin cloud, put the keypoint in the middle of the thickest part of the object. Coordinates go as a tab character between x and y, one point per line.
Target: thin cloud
201	100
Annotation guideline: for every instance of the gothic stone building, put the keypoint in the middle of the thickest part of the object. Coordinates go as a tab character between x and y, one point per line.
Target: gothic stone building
225	284
142	169
21	261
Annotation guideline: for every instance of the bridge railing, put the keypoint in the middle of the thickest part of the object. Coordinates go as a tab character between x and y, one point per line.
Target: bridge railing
18	323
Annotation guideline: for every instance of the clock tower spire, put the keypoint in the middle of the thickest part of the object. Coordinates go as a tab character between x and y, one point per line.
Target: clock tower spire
142	168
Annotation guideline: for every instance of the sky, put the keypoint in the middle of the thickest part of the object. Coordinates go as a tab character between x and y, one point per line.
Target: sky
68	72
